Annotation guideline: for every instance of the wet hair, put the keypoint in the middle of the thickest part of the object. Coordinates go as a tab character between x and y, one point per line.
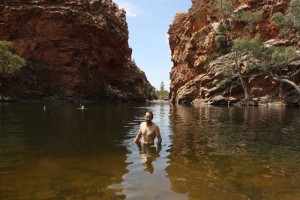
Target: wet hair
151	113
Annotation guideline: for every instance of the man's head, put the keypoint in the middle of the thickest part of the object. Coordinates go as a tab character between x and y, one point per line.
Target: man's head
148	116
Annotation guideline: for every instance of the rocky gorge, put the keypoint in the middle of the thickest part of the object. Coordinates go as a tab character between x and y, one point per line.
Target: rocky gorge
74	50
198	71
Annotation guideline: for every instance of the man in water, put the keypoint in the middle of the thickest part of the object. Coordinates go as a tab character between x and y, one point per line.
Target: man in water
148	131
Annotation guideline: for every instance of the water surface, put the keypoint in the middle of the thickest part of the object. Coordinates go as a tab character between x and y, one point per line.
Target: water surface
208	153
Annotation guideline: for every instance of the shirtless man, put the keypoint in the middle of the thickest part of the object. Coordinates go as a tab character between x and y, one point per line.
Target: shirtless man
148	131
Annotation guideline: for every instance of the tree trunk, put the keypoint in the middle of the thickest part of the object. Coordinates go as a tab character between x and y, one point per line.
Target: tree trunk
237	65
284	80
247	96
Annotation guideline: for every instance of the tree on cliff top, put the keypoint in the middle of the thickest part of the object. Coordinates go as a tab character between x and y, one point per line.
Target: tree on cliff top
10	63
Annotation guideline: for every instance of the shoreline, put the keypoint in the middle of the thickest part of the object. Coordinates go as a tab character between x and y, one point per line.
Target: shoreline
197	102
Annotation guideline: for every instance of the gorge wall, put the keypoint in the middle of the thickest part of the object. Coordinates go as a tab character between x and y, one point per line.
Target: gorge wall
74	50
197	72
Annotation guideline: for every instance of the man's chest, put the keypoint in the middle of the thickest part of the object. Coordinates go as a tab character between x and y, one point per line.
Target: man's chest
148	131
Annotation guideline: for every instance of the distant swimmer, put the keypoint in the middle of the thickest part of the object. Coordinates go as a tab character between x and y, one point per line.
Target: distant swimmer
47	110
82	107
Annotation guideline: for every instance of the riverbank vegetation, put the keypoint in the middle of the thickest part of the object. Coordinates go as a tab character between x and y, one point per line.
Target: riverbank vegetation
251	53
10	63
162	93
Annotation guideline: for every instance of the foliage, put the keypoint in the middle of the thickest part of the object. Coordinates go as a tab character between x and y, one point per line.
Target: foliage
224	8
273	60
221	42
10	63
162	86
277	58
294	10
251	18
222	28
246	45
162	93
284	22
227	77
288	21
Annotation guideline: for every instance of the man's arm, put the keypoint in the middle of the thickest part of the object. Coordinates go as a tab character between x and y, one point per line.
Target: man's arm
159	139
138	137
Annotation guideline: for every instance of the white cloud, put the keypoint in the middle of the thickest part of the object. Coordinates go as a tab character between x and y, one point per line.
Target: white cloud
131	9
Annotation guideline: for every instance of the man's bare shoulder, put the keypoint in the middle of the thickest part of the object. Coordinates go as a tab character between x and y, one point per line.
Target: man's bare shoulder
143	124
155	126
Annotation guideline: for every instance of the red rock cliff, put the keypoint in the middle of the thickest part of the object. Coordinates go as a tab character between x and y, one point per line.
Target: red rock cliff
75	50
196	75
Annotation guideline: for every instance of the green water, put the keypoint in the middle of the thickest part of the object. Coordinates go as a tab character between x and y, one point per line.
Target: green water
208	153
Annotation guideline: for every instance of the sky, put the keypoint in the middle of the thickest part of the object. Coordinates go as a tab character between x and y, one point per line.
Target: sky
148	24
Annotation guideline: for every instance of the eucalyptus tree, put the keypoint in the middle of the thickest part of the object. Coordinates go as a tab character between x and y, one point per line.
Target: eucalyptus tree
251	19
279	59
276	61
10	63
228	18
225	13
244	51
288	22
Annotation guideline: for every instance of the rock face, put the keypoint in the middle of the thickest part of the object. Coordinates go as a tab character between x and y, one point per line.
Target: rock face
198	74
74	49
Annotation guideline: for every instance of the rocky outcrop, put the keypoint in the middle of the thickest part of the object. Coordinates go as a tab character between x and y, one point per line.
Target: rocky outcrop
74	49
198	71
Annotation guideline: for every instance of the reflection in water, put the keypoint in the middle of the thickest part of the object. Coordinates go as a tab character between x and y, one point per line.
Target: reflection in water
148	155
62	154
146	177
207	153
235	153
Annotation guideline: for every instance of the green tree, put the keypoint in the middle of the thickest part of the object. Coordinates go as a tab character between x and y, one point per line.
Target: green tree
244	47
289	20
251	18
273	61
224	12
10	63
228	19
162	86
294	10
224	9
221	42
276	60
162	93
284	23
